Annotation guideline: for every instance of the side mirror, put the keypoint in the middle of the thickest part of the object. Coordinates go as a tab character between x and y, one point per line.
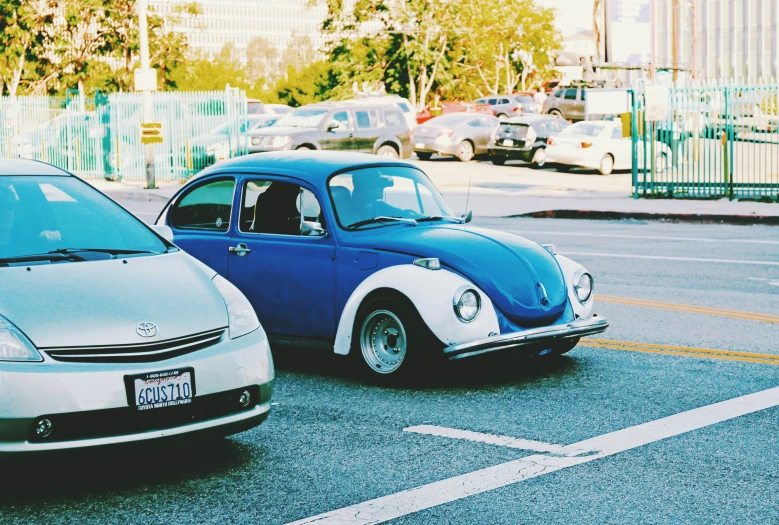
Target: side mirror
163	231
312	229
468	217
333	126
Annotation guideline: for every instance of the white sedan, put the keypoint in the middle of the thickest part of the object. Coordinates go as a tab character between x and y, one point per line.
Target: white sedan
599	144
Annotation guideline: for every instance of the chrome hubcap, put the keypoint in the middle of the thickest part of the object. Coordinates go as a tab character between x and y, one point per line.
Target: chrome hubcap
466	151
606	165
540	157
383	341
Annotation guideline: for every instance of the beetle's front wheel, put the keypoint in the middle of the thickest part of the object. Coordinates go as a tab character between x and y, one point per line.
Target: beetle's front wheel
389	339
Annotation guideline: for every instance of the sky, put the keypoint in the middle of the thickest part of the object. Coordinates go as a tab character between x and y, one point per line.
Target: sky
572	15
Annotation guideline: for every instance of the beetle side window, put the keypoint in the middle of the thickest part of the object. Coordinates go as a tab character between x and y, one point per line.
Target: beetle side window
207	207
274	207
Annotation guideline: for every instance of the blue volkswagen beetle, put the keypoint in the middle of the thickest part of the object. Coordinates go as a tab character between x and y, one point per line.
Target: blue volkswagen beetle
362	256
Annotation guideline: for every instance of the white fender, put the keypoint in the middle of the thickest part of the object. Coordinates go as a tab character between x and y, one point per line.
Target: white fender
432	293
572	271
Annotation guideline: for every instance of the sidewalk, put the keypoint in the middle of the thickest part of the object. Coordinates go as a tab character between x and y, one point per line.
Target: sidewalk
510	191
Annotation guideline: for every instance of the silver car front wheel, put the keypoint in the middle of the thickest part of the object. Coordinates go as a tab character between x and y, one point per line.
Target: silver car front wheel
539	158
464	151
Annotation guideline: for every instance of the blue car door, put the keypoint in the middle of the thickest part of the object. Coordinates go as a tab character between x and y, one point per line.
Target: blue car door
287	276
200	220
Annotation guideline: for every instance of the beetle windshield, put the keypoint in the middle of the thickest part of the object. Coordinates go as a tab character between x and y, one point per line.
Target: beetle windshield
66	219
395	192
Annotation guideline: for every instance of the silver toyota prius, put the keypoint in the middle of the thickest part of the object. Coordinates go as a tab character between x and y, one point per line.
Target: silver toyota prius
108	332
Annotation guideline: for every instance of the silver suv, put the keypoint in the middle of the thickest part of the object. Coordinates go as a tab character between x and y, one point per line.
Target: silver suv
566	102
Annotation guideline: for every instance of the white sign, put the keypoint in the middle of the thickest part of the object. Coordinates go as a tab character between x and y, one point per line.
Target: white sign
606	102
145	79
657	103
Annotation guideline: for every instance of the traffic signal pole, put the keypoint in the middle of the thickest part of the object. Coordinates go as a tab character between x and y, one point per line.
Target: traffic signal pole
143	28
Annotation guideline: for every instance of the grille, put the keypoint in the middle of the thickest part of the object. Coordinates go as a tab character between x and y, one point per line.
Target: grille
127	420
140	353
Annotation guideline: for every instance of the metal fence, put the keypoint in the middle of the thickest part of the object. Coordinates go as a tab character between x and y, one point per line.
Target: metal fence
717	141
101	137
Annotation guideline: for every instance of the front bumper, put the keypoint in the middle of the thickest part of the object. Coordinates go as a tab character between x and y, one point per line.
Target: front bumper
87	403
534	338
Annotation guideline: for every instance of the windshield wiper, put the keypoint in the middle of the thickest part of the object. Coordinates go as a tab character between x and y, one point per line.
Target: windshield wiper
40	257
380	219
110	251
431	218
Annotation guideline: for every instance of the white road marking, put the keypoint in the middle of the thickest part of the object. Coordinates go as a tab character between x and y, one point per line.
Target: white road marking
642	237
490	439
667	258
448	490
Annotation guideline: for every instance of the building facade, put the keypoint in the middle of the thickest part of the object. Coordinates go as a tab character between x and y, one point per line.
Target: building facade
719	38
238	21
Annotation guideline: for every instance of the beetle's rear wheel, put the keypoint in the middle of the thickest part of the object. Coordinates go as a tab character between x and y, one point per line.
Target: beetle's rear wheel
390	340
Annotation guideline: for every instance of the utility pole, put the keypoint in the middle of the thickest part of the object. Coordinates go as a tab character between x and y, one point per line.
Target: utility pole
693	39
675	14
652	49
143	82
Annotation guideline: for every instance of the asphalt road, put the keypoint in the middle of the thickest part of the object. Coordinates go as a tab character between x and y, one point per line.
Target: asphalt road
334	441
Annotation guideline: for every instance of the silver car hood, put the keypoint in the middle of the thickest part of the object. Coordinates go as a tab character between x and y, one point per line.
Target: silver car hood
102	302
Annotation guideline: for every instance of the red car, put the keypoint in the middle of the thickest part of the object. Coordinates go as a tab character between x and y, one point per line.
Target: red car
453	107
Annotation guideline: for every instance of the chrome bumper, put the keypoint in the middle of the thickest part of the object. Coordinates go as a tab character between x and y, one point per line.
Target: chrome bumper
532	337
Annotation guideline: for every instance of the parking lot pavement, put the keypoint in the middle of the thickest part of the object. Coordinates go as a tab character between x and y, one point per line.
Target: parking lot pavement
662	430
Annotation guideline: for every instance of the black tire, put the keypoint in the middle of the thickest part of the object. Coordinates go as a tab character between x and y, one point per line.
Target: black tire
303	148
556	113
424	155
387	151
498	160
502	116
419	343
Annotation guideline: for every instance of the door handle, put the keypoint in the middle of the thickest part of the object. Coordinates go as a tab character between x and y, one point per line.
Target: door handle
351	135
239	250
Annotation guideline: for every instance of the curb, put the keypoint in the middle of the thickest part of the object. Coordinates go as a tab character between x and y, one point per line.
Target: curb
141	196
767	220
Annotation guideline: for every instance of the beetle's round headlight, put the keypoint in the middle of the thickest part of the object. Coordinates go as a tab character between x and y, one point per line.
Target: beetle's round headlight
467	304
583	287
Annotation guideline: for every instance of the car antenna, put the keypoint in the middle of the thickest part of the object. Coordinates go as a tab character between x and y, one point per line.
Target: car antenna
468	195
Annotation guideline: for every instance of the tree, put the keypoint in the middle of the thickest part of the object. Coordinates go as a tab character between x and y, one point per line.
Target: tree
25	37
212	74
501	47
263	64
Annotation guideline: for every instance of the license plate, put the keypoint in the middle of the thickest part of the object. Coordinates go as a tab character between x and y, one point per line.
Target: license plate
419	145
508	142
161	389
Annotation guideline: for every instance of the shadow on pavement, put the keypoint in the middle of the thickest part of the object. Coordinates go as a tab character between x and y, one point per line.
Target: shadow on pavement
486	371
182	464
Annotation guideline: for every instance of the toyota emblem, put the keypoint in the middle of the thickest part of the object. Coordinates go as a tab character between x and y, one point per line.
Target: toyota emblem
146	329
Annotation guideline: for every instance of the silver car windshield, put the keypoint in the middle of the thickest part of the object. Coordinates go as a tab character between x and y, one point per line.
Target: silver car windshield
64	219
373	197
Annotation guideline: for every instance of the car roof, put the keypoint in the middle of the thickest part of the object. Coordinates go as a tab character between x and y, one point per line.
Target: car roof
527	119
313	166
15	166
361	103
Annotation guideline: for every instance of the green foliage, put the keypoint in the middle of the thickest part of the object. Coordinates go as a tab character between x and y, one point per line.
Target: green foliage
212	74
300	86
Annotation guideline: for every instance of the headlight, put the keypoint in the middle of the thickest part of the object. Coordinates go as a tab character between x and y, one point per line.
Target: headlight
583	287
256	141
279	142
14	345
240	314
467	304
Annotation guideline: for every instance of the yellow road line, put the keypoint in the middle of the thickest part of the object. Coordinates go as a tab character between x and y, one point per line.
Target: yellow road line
734	314
684	351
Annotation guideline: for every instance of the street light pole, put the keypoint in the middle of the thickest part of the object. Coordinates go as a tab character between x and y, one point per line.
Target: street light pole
143	28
